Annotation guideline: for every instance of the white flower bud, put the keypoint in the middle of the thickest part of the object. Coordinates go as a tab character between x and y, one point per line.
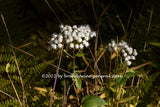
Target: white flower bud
128	63
93	34
60	36
61	26
71	45
65	32
127	58
126	46
54	35
73	34
77	46
113	43
60	45
109	44
81	46
70	39
67	40
135	52
54	46
133	57
75	26
86	38
86	44
56	41
115	48
79	40
124	54
52	39
130	50
123	51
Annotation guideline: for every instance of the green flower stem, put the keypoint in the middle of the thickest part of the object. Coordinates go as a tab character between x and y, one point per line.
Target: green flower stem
73	60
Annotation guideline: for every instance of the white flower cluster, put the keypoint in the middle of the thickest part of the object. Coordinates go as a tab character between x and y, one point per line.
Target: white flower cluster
56	41
75	37
127	52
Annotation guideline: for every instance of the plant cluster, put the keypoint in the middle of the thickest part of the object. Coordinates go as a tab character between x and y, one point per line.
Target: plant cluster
75	37
128	53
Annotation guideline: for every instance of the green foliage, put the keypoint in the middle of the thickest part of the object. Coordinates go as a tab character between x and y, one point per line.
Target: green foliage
126	99
77	80
31	71
121	80
92	101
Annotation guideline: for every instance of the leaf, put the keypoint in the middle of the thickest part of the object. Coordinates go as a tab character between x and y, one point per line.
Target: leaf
80	54
77	80
67	53
92	101
120	81
130	74
126	99
40	89
140	66
104	95
115	54
7	66
155	43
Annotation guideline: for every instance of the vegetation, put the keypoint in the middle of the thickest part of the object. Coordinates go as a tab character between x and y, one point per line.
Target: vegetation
33	72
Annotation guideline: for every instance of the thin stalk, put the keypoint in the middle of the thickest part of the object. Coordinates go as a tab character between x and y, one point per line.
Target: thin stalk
74	60
55	81
109	76
37	58
9	95
53	10
19	72
76	95
64	95
14	89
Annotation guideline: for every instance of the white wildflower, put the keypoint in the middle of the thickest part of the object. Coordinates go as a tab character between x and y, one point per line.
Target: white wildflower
128	63
81	46
71	45
60	45
54	46
124	54
77	46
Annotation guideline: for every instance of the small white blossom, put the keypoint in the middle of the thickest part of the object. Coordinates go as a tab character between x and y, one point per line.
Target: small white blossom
86	44
127	58
71	45
67	40
127	52
86	38
128	63
130	50
115	48
54	46
113	43
60	40
54	35
77	46
74	26
123	51
56	41
81	46
124	54
135	52
79	40
133	57
60	45
52	39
